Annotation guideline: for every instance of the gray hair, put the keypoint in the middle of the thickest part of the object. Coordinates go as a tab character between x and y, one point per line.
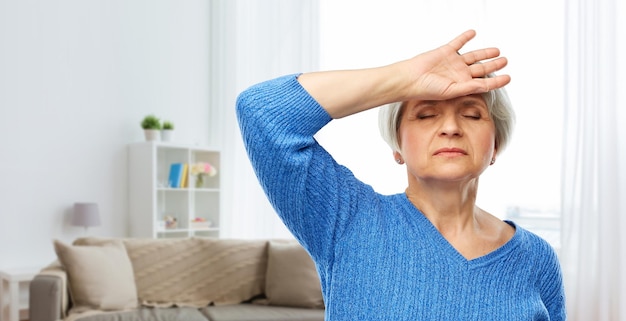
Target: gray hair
498	104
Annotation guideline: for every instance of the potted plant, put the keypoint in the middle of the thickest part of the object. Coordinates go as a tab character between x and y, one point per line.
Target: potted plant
167	130
151	127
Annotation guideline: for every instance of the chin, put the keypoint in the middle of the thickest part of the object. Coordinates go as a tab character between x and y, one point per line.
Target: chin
450	176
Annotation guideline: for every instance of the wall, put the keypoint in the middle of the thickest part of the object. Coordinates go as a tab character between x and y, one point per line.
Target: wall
76	77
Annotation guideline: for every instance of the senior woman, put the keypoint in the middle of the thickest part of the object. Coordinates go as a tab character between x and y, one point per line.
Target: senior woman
426	254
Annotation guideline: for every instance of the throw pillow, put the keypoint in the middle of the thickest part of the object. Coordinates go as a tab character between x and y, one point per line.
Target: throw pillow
292	279
100	277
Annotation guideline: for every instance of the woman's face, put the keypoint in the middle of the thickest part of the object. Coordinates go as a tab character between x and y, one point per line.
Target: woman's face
450	140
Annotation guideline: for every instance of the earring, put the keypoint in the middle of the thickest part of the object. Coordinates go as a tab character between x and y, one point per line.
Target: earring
399	161
493	160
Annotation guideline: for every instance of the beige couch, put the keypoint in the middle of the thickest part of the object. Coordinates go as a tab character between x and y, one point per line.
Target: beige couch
187	279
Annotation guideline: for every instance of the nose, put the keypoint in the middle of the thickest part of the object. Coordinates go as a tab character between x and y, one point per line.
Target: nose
450	126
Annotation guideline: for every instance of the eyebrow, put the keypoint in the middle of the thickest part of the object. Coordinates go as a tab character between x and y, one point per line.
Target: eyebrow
464	100
472	99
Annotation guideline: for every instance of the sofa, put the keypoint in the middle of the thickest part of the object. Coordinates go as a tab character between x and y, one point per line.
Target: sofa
177	279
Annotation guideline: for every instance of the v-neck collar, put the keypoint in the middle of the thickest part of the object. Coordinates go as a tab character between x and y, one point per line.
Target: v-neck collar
423	225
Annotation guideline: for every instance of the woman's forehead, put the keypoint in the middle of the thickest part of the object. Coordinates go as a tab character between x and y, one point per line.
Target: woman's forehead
461	101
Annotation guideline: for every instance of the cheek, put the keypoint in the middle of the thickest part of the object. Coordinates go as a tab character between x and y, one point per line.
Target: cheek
487	143
409	138
414	145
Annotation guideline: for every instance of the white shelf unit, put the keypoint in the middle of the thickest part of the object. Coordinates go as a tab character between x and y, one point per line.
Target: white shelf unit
150	198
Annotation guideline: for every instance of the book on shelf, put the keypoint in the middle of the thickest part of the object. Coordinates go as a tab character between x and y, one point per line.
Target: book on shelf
185	178
176	174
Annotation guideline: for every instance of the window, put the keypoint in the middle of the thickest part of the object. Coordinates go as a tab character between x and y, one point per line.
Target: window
524	184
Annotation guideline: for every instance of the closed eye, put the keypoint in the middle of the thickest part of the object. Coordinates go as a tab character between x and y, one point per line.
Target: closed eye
472	107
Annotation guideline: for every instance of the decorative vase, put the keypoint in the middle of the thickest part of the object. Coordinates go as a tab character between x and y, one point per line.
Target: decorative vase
166	135
151	134
199	180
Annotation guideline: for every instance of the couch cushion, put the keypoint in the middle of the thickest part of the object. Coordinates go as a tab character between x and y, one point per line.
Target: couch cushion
145	314
251	312
195	271
99	277
291	278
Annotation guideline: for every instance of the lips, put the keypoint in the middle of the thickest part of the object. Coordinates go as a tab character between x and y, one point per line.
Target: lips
450	151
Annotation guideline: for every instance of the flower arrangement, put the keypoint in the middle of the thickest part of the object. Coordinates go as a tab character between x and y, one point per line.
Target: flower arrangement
170	222
200	222
202	169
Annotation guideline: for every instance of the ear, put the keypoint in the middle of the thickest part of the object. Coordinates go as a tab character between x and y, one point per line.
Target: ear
398	157
493	156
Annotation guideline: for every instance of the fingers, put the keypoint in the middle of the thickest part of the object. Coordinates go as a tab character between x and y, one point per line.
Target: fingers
475	56
496	82
460	41
482	69
479	85
481	63
486	84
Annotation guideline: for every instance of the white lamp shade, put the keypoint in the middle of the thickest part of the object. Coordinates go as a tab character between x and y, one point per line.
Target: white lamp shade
86	214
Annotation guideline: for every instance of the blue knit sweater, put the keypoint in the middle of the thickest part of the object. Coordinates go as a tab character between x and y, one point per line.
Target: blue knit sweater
378	257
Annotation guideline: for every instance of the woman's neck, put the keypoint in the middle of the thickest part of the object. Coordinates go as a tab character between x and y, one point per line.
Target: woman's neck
450	207
452	210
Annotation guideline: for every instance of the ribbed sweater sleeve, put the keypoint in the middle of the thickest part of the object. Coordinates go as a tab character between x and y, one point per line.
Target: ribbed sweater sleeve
278	119
551	287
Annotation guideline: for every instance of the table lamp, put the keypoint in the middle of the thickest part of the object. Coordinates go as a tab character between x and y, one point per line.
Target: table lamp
86	215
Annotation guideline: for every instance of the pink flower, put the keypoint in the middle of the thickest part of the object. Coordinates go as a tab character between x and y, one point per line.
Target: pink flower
203	168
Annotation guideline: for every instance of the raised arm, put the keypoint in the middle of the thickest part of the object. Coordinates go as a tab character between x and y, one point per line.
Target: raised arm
438	74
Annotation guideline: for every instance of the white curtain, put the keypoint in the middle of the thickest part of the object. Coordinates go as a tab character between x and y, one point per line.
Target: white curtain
253	41
594	175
